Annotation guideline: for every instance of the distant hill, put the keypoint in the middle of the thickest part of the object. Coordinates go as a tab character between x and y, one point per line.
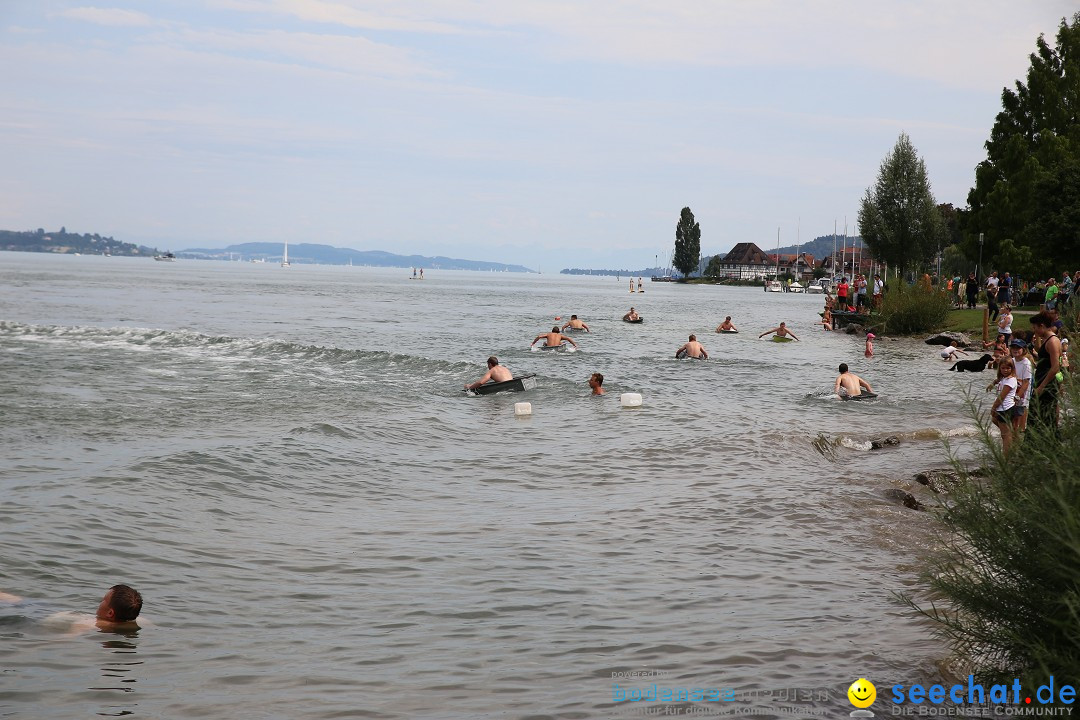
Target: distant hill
329	255
819	247
63	242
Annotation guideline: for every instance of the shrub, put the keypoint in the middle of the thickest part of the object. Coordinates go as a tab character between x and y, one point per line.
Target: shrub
914	309
1009	570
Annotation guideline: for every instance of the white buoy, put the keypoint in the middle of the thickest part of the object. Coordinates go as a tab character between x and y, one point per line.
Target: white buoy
522	409
630	399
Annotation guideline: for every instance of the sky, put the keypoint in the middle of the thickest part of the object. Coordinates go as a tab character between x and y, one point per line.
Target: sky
550	134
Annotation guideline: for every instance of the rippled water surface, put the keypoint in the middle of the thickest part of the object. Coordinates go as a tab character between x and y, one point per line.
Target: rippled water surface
323	525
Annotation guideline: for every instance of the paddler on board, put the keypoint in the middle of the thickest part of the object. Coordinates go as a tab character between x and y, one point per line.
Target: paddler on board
850	384
495	373
781	331
555	338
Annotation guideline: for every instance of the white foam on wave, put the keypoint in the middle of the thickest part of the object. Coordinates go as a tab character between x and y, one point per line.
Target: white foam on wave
853	444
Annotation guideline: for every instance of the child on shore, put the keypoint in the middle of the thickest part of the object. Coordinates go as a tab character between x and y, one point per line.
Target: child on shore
1001	411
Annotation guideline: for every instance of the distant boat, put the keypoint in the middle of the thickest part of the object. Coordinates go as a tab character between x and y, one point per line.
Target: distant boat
774	286
285	256
165	257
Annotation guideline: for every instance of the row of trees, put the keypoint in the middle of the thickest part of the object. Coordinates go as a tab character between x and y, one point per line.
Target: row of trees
1024	212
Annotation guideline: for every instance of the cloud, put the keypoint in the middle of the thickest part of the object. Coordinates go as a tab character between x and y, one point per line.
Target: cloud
344	14
114	17
350	54
978	44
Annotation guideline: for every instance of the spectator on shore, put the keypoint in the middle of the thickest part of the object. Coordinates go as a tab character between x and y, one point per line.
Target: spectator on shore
1044	399
1005	290
972	290
1005	322
991	301
1052	291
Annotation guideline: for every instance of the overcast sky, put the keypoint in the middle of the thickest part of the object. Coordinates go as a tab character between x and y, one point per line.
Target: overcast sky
550	134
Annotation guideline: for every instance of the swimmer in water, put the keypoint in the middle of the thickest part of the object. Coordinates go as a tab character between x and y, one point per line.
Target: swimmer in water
574	324
596	382
692	349
726	326
495	373
850	383
555	338
781	331
116	612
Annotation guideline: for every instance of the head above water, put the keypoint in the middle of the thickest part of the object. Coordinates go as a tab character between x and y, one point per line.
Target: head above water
573	317
596	379
843	368
727	319
555	328
120	604
493	361
693	337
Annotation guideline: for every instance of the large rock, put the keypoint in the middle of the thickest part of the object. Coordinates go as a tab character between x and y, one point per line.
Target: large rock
947	338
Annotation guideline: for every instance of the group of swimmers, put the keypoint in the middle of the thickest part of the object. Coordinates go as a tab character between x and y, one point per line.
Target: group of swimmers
692	348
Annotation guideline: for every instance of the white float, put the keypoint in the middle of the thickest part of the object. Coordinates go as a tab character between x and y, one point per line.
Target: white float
630	400
522	409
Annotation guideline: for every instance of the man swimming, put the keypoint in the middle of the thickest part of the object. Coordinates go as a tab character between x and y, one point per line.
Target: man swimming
850	383
116	612
596	382
575	324
692	349
781	331
631	316
555	338
495	373
726	326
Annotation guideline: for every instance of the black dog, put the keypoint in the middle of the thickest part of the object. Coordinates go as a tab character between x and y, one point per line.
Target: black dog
972	365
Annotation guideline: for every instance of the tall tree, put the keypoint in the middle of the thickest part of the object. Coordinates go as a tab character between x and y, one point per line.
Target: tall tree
1034	148
899	219
687	243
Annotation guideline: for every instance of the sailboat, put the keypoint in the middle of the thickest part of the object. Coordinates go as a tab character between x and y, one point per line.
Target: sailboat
796	286
285	256
775	285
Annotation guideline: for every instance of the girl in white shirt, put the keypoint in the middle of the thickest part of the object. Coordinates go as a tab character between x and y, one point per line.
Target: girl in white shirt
1001	411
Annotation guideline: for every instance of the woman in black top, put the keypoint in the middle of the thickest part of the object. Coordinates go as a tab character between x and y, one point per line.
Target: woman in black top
1044	399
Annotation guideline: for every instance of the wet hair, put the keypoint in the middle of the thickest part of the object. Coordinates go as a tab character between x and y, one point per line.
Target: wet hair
555	329
727	318
598	378
573	317
783	324
1042	318
125	602
843	367
493	361
693	337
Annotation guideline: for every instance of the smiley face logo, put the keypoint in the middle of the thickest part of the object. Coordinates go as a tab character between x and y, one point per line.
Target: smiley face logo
862	693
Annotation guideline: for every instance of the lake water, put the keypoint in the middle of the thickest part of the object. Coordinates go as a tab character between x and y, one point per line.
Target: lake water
323	525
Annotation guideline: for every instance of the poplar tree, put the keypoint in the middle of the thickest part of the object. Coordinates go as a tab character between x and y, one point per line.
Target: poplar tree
687	243
1028	188
898	218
